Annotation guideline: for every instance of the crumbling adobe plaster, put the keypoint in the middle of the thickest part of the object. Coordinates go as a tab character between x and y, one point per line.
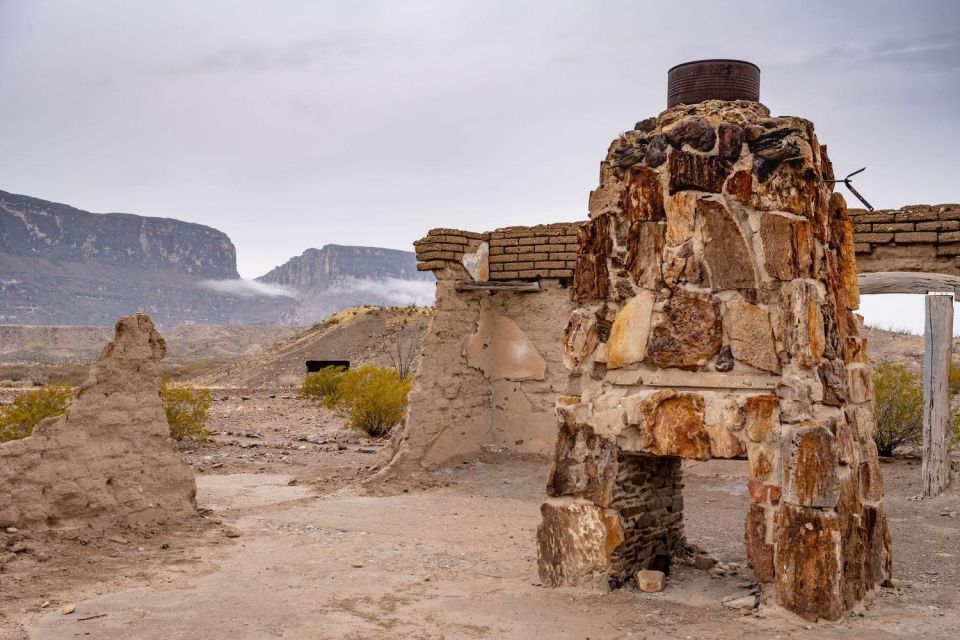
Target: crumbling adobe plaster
491	364
717	285
109	459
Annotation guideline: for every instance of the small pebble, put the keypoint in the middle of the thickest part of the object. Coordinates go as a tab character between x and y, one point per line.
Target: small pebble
11	529
70	608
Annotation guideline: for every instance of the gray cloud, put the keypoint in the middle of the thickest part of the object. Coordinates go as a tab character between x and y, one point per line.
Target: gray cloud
249	289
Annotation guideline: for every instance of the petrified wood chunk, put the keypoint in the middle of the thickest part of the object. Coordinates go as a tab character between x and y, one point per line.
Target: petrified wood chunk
694	131
673	425
759	553
643	197
725	251
689	334
631	328
811	478
803	331
751	338
645	253
585	463
579	339
574	540
788	188
808	562
699	173
591	280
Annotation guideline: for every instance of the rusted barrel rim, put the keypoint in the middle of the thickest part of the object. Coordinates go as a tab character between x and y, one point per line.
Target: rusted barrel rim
687	64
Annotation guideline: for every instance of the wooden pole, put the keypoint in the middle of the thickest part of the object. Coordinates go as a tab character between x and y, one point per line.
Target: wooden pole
937	342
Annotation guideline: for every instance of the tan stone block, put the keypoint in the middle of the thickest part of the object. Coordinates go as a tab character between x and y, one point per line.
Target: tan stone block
673	425
859	384
650	581
508	275
544	248
763	461
723	443
760	414
528	241
561	273
503	258
585	464
891	227
630	331
439	255
680	209
879	216
751	337
875	238
942	225
948	250
915	237
740	185
803	331
922	215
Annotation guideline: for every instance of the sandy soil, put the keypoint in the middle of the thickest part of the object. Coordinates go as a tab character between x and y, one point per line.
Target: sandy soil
289	545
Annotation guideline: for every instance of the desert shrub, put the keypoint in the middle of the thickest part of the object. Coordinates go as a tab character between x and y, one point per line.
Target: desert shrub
17	420
373	399
322	386
187	410
899	408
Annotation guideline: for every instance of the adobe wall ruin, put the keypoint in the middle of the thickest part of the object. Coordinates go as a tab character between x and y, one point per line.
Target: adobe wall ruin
913	238
491	363
109	459
716	289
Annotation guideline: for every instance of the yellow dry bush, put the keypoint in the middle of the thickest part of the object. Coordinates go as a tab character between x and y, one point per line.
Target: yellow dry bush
373	399
17	420
321	386
187	410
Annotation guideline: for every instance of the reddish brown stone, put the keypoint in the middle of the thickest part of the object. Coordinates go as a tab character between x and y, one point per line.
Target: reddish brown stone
763	493
759	417
579	339
846	443
853	541
694	131
699	173
811	480
740	185
726	254
723	442
643	197
591	280
690	333
759	553
761	462
574	541
645	253
731	141
848	294
803	336
675	426
803	247
808	562
788	188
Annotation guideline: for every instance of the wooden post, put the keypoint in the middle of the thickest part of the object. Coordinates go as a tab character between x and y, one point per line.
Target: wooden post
937	343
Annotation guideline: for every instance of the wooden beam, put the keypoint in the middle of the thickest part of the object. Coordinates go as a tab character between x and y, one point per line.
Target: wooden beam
907	282
521	287
937	343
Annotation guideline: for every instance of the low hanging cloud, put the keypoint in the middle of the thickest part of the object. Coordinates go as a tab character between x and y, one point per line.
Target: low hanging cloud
249	288
391	291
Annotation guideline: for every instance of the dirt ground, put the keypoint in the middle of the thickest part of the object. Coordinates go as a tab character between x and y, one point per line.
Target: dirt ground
288	544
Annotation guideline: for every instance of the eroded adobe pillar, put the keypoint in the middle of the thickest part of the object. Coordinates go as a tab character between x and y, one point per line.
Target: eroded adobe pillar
717	285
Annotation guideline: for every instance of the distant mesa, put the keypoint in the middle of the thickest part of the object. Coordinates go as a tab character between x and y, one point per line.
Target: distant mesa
60	265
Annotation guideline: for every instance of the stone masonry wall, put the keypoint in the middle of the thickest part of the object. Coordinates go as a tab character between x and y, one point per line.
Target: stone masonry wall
491	361
914	238
716	289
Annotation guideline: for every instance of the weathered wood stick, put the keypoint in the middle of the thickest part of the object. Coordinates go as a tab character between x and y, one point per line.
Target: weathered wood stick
907	282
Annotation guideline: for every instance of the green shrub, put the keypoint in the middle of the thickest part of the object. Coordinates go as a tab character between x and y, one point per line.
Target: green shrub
321	386
373	399
17	420
899	408
954	379
187	410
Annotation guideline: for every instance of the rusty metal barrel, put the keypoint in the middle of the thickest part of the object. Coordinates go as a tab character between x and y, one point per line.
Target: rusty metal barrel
693	82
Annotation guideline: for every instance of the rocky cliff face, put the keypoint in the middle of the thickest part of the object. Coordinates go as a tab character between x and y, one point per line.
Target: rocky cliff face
336	277
63	266
60	233
323	267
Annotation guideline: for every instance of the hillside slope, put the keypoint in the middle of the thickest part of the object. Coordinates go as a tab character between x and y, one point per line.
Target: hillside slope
362	335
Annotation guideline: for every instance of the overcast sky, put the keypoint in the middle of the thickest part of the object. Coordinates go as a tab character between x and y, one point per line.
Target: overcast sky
293	124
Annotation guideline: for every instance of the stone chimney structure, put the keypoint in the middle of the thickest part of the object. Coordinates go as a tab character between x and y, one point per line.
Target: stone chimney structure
715	290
